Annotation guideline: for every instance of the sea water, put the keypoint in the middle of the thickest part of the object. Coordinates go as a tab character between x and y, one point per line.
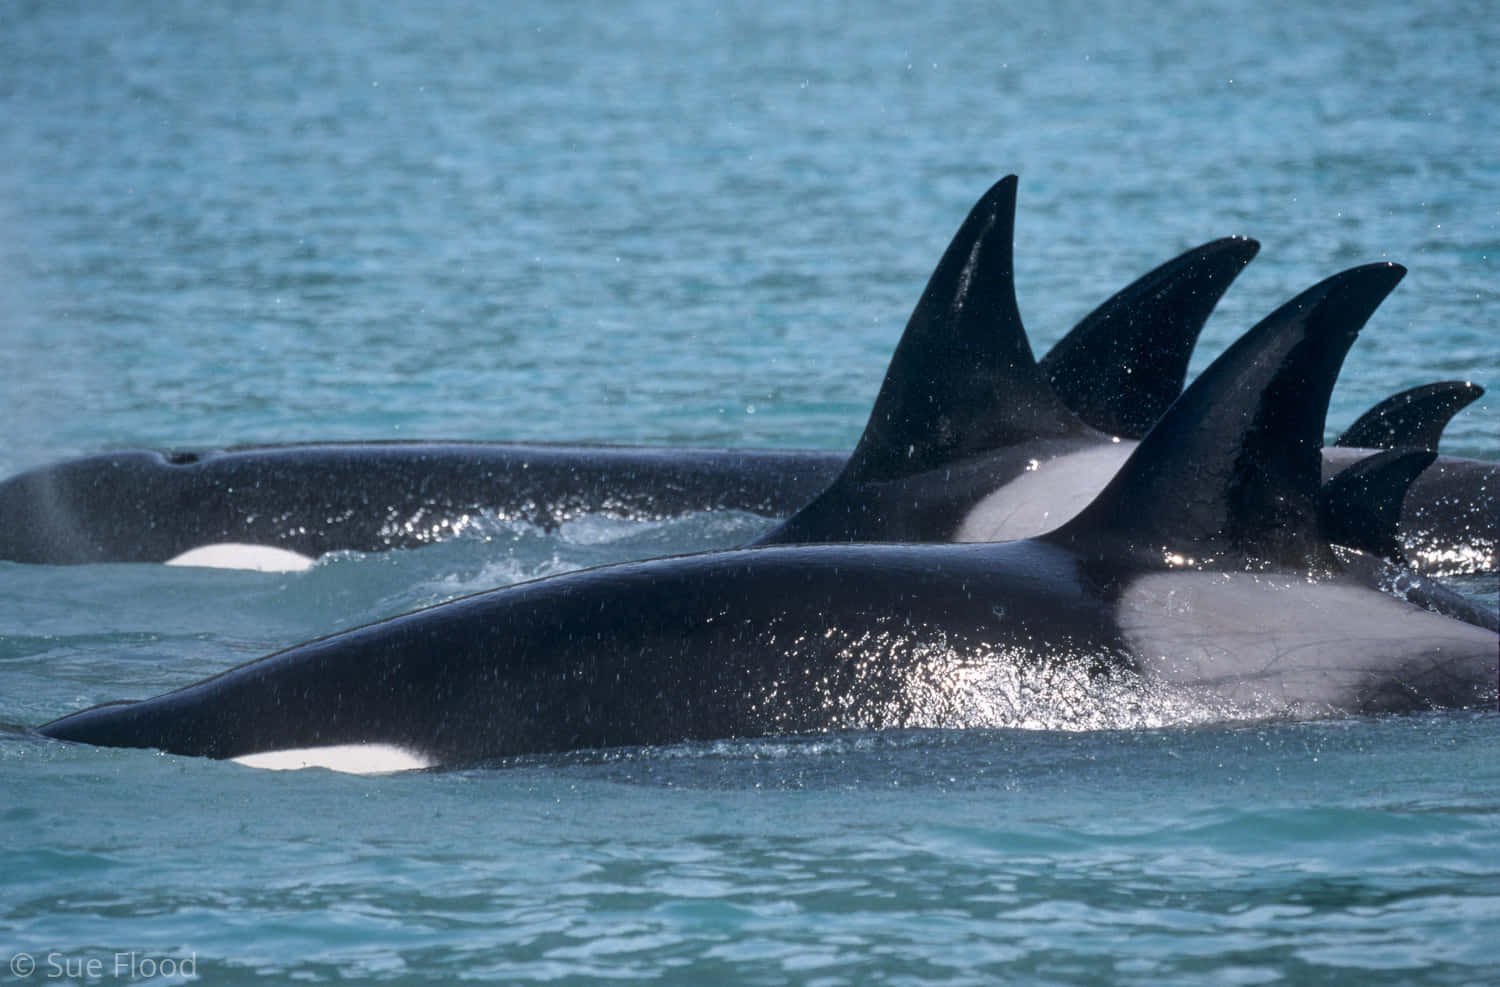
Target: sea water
697	223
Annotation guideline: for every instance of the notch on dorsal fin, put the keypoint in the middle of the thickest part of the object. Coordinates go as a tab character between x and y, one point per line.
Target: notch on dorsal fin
1361	506
963	380
1125	363
1229	477
1412	419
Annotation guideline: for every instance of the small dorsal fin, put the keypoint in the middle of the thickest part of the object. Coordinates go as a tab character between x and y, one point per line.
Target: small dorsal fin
963	380
1229	477
1361	506
1412	419
1125	363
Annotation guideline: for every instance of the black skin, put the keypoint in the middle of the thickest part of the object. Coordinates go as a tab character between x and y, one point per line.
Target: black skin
750	642
1450	518
145	506
964	360
800	639
962	411
794	639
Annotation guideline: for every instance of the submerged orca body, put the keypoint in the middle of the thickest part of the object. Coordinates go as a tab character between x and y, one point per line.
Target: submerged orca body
1122	366
146	506
1198	580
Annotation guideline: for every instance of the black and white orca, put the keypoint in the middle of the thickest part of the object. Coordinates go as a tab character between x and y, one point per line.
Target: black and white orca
281	506
1198	583
1005	455
1449	517
1029	445
1411	419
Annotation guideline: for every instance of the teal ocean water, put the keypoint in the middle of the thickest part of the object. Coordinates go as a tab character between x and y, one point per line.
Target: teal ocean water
697	223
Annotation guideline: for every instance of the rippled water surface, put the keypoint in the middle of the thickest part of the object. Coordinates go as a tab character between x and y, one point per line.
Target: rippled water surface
697	223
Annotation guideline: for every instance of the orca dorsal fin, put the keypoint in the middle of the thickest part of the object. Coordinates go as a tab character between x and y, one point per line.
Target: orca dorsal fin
1412	419
1361	506
1122	366
1229	477
963	380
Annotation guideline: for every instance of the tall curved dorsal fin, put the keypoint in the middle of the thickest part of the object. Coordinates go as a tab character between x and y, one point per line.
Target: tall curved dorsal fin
1229	477
963	380
1361	506
1412	419
1122	366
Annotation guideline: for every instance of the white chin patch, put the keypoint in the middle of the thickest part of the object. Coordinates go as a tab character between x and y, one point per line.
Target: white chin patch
231	555
355	759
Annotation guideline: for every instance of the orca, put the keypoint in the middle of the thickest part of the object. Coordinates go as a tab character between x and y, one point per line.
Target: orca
1005	456
1123	364
1411	419
1197	585
1039	441
966	419
1449	520
1449	517
1359	507
316	498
